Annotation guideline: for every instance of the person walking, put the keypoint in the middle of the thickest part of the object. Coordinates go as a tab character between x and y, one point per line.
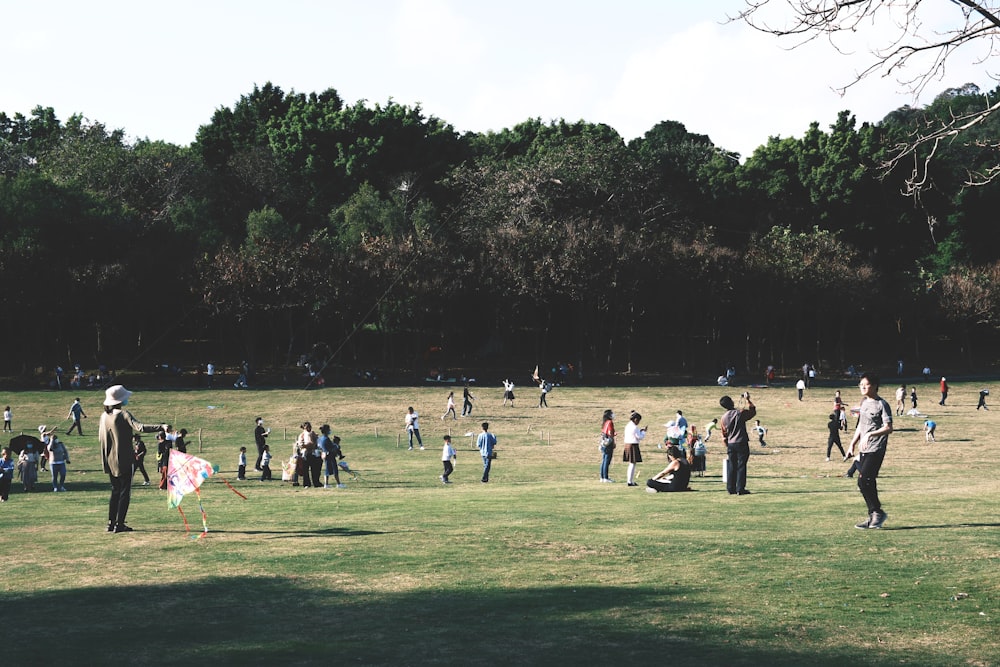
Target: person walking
800	386
486	443
983	393
871	439
410	421
631	453
117	453
140	457
761	431
944	390
607	445
450	408
734	429
76	413
834	438
467	399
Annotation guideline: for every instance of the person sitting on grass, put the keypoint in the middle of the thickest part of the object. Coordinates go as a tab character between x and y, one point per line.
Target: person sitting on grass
675	477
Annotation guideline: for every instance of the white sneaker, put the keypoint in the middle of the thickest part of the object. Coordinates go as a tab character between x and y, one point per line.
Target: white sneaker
828	458
609	480
650	489
326	486
341	486
145	483
421	448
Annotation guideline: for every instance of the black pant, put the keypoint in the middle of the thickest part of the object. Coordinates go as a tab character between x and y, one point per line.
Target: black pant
315	467
141	468
265	472
121	494
868	468
241	473
5	487
466	407
76	425
448	469
260	455
736	467
831	441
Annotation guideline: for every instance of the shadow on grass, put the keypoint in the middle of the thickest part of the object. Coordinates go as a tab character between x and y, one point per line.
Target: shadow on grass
268	620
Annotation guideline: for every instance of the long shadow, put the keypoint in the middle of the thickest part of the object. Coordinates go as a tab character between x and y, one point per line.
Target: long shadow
950	525
303	621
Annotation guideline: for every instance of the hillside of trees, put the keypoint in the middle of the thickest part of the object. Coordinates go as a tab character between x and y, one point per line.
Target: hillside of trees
374	236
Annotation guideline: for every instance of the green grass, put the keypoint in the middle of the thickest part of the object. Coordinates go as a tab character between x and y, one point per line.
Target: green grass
543	565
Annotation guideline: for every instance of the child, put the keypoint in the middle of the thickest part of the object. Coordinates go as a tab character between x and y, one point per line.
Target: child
709	427
331	452
760	431
450	410
447	456
7	416
265	464
140	457
929	427
241	473
834	439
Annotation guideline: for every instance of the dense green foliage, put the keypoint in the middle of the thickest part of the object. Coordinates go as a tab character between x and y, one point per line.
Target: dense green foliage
296	219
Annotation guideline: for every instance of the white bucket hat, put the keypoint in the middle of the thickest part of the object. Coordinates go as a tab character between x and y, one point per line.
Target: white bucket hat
116	394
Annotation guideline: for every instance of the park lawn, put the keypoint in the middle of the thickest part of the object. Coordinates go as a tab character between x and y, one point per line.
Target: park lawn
542	565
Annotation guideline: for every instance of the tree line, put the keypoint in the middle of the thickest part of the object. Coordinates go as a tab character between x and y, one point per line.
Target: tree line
377	236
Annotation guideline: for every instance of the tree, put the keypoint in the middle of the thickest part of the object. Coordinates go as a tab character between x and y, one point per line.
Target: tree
914	50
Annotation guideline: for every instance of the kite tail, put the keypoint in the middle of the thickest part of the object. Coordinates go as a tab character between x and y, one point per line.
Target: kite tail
187	528
231	488
204	517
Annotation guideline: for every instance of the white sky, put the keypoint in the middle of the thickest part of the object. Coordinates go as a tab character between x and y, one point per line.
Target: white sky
159	70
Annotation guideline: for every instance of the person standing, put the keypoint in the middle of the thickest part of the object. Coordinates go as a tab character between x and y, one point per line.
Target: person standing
140	457
508	393
944	391
163	447
330	451
58	458
27	464
607	445
210	374
76	413
467	399
834	439
115	437
265	465
485	443
7	417
871	439
801	387
983	393
543	388
631	454
412	423
900	400
6	473
913	398
734	429
447	459
260	439
241	465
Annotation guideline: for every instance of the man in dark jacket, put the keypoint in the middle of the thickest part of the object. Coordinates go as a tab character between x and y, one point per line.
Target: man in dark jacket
734	430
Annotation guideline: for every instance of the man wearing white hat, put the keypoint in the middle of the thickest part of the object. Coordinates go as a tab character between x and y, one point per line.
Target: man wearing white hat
117	426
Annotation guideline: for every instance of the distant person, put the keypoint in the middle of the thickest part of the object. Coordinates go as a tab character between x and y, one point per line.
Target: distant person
508	393
913	398
944	390
412	424
210	374
265	465
140	457
260	439
800	386
631	453
929	427
607	445
467	399
27	465
58	458
709	427
761	431
115	436
486	443
734	429
833	426
900	400
450	408
7	466
7	417
76	413
447	460
983	393
870	440
241	465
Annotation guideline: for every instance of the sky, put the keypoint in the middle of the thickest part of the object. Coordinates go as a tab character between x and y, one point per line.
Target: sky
159	70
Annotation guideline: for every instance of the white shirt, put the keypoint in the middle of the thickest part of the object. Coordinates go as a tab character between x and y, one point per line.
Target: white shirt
633	434
411	421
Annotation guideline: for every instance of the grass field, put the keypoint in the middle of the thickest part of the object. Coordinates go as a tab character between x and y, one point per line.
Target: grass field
543	565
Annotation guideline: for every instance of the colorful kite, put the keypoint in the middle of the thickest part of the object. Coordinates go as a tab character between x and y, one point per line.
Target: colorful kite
186	473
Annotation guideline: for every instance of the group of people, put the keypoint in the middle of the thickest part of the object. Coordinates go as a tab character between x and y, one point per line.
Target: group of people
313	456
